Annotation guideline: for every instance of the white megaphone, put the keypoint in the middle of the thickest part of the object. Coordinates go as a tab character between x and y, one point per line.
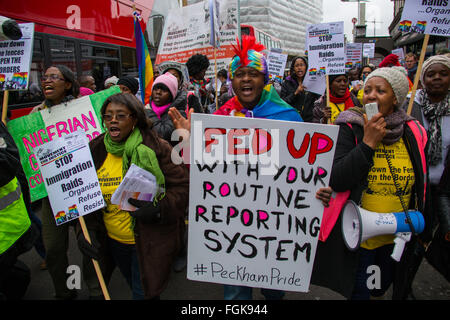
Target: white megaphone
359	224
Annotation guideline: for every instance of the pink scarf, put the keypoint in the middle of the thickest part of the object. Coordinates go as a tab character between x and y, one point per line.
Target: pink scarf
159	110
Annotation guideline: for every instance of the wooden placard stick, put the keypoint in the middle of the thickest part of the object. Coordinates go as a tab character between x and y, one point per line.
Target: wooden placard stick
418	72
5	106
95	262
328	94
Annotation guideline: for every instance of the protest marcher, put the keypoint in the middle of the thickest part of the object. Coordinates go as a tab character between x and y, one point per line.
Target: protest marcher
432	108
197	66
411	65
87	82
365	148
249	78
180	103
340	100
293	91
363	73
164	93
60	86
128	84
111	81
143	243
17	230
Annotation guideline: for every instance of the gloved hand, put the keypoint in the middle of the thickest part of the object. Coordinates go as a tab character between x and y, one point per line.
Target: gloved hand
88	249
193	102
147	212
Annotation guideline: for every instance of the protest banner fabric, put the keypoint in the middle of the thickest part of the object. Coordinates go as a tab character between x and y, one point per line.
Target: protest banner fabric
187	32
255	222
427	16
15	60
40	127
69	176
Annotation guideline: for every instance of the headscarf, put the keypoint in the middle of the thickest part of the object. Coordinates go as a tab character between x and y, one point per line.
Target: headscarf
248	54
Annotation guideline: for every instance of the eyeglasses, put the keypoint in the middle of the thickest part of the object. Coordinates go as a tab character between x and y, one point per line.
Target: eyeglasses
119	117
52	77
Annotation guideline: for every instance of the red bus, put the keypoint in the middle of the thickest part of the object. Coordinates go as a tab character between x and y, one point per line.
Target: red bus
91	37
263	37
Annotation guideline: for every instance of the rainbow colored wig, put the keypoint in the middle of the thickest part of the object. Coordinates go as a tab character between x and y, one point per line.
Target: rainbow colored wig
248	54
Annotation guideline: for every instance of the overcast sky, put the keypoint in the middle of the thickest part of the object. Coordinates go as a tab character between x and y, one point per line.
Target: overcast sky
380	10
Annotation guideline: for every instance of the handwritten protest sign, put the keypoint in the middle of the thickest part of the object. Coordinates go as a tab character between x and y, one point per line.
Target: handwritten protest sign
276	63
69	176
187	32
253	216
426	16
15	60
38	128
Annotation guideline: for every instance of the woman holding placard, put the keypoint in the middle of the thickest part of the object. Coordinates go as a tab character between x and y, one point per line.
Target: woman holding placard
59	85
143	243
340	100
293	91
432	108
381	161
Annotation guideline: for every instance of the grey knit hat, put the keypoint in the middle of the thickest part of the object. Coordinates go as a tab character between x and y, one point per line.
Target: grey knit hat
396	77
441	59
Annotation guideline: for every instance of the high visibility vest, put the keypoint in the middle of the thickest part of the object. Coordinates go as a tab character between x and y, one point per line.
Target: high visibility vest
14	219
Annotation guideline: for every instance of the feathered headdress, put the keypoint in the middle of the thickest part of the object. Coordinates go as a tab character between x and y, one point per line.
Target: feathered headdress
248	54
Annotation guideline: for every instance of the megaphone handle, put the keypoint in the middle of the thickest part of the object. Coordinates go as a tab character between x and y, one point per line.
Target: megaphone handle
399	245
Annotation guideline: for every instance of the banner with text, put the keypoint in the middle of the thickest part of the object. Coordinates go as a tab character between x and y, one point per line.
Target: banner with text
15	60
38	128
253	216
426	16
187	32
69	176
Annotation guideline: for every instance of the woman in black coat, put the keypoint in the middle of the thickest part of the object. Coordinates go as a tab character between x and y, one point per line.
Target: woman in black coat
293	91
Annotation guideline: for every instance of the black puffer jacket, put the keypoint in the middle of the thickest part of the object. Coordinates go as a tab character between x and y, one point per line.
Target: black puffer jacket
164	126
303	102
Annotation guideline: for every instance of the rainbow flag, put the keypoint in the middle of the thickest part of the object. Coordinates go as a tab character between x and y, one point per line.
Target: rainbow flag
144	62
420	26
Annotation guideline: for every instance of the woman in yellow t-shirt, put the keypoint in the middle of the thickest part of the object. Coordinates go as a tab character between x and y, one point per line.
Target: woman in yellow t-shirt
361	166
340	100
142	243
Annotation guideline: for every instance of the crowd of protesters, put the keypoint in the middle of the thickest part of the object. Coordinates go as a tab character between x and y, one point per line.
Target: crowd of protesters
148	243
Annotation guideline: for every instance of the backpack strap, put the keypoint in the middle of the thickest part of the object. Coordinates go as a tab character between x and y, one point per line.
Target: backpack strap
421	138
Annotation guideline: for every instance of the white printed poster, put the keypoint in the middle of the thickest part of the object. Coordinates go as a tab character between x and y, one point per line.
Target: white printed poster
276	63
354	55
70	177
326	49
253	216
15	60
187	32
368	50
426	16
